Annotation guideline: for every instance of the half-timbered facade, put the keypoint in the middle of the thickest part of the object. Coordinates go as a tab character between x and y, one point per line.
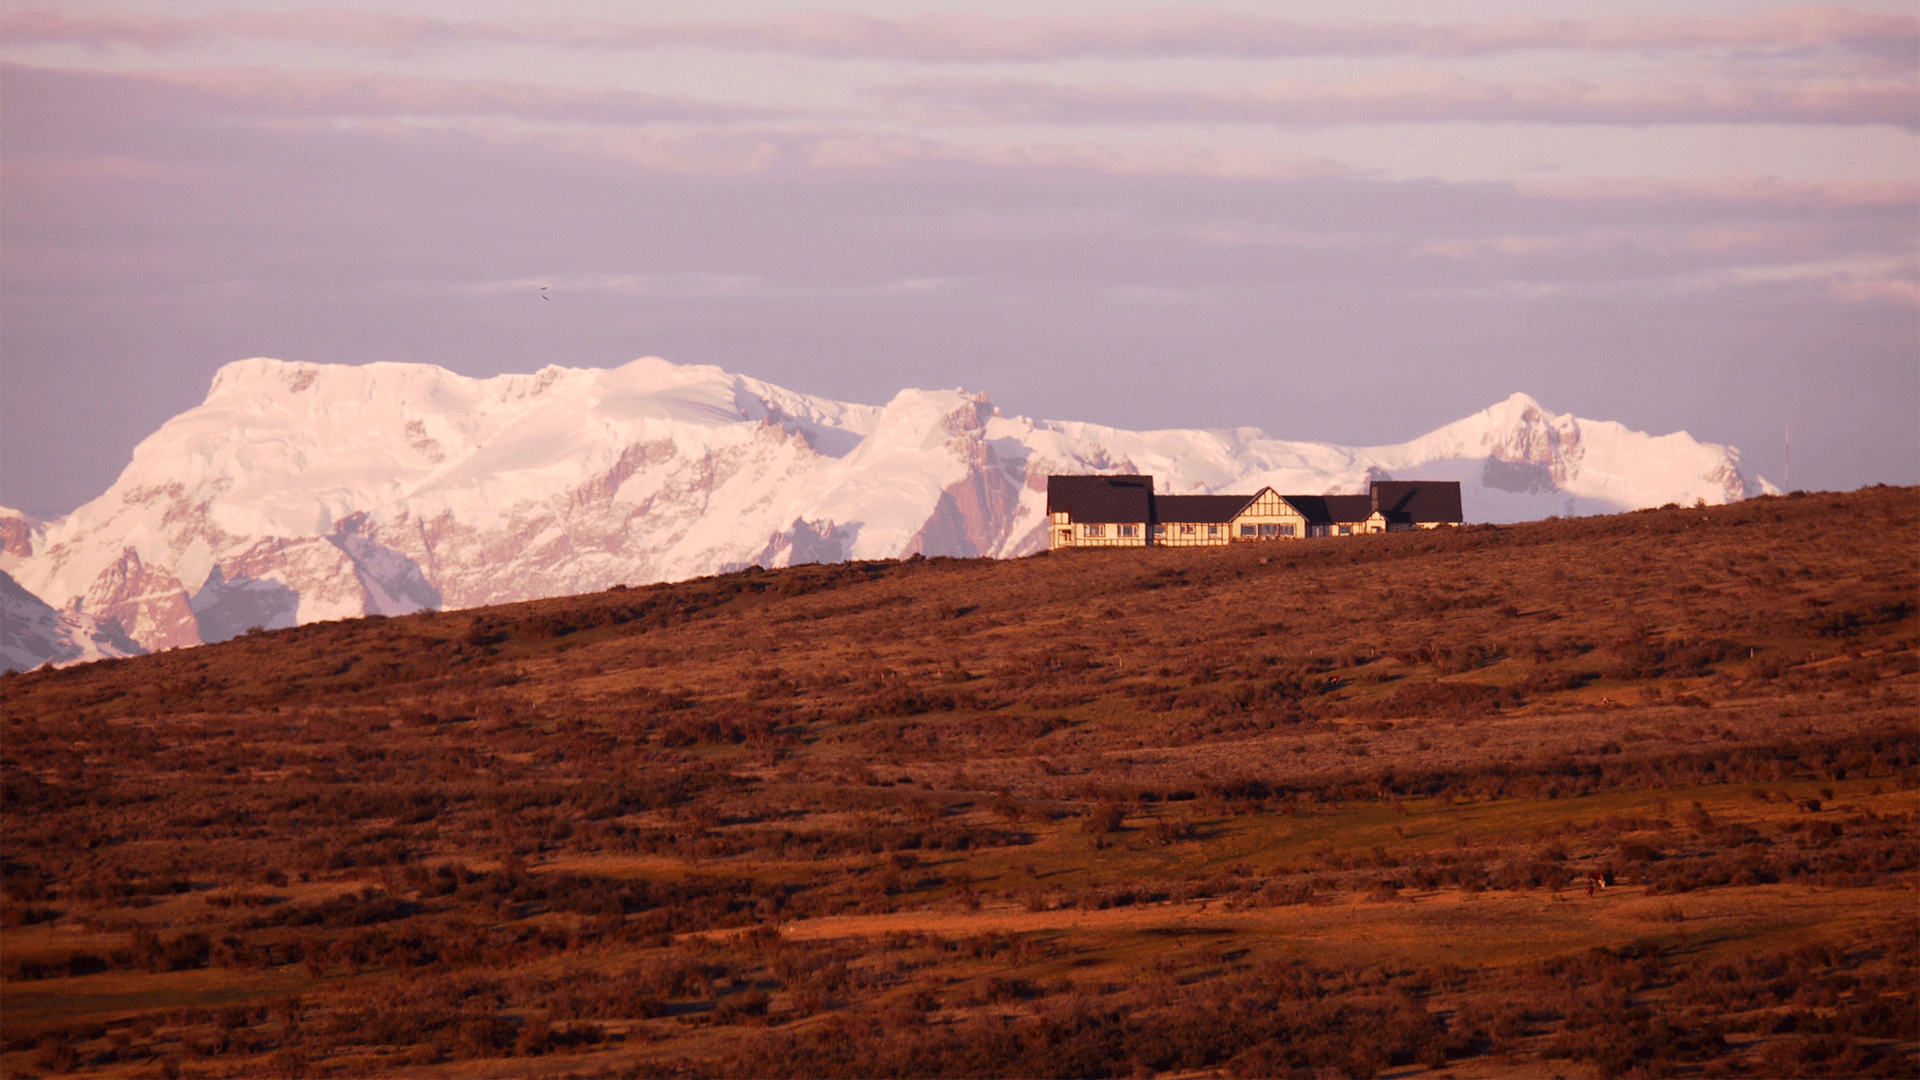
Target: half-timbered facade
1335	515
1196	520
1099	511
1123	511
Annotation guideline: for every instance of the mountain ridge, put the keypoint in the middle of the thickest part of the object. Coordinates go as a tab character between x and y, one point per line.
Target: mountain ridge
298	492
32	633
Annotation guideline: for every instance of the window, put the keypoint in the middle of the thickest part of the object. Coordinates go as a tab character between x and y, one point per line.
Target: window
1126	530
1213	530
1249	530
1159	530
1271	530
1093	530
1186	530
1285	530
1346	530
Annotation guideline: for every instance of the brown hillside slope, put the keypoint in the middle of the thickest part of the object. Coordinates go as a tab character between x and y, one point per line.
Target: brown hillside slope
1325	807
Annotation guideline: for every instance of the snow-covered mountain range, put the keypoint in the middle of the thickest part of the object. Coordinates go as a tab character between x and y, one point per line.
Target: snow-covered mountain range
299	492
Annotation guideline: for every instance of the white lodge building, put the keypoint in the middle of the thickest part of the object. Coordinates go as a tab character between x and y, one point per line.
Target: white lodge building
1123	511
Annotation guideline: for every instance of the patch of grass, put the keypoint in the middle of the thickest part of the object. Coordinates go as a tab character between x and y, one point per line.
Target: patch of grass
934	816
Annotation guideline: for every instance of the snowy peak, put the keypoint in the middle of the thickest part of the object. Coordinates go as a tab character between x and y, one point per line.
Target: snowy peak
298	491
1523	449
1516	431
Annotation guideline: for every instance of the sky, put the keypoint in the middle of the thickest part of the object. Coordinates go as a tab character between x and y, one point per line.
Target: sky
1339	222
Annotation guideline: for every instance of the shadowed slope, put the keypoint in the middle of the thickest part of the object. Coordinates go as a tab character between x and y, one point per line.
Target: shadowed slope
1324	806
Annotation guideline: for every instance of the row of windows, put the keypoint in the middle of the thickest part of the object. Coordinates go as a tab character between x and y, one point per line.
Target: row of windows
1099	531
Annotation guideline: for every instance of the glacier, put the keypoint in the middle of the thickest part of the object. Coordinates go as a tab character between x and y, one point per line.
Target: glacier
299	492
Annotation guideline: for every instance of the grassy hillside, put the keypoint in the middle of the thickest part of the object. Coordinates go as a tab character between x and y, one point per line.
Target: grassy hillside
1325	807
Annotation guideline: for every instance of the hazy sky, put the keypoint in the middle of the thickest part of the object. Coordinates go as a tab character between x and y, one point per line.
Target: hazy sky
1348	222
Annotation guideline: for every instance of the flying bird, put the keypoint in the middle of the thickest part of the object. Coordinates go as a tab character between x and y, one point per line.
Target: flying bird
543	293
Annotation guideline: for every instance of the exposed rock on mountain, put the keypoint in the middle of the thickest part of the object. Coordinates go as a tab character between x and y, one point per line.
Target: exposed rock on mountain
32	633
300	492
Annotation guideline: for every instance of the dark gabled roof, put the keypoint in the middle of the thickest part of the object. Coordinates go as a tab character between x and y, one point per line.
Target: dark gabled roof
1417	501
1349	509
1099	499
1331	509
1127	498
1311	507
1199	509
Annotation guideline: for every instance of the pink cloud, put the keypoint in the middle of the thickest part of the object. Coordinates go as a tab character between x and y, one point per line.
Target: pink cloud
1423	94
697	137
731	153
1589	243
830	149
1843	261
41	168
1856	279
1168	159
37	25
1729	188
980	38
675	134
1888	290
277	93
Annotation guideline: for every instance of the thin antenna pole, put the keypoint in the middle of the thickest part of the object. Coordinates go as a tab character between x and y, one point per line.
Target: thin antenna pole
1786	478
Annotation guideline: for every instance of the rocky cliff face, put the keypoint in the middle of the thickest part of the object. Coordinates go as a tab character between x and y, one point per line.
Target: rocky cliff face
300	492
32	633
